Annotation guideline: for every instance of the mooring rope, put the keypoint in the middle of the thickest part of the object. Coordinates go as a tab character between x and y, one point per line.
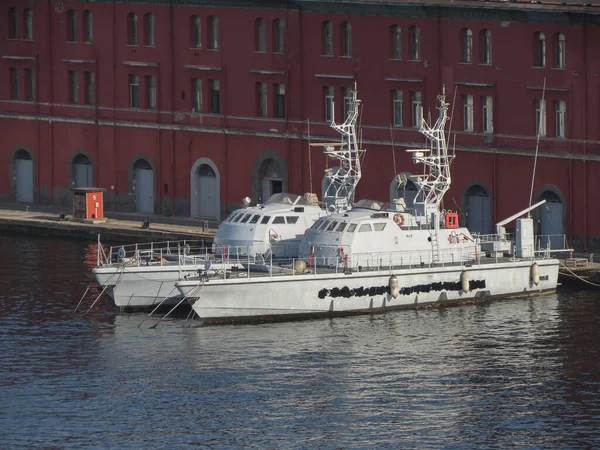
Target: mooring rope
578	276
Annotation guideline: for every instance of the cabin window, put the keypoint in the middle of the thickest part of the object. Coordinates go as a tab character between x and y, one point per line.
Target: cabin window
238	217
279	219
341	227
364	228
379	226
265	220
351	228
332	226
292	219
245	218
255	218
230	218
323	225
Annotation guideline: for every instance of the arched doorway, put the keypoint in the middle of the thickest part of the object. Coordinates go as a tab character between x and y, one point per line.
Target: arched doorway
478	212
204	184
82	171
403	187
271	179
24	186
551	220
328	190
143	185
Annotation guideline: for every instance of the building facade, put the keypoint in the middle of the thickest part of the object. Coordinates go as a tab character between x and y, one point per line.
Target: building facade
184	107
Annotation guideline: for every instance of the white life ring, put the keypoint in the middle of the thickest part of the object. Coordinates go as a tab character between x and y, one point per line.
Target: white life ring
399	219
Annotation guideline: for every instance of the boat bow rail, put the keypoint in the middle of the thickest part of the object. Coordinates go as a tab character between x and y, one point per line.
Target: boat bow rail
184	252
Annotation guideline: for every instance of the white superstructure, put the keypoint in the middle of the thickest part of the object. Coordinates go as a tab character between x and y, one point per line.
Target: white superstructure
372	257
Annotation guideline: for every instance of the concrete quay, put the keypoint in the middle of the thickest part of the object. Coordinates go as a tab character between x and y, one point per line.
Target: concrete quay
45	221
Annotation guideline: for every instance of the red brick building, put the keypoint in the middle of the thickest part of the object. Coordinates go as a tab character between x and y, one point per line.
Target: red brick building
184	109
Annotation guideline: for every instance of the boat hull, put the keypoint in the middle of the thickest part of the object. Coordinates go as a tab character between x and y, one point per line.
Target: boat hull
337	294
139	287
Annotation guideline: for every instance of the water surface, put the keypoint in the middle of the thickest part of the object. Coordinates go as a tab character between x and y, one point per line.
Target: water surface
518	373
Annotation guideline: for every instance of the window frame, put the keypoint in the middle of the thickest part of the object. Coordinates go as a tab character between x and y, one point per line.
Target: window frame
486	47
13	23
132	29
89	79
539	49
396	42
73	77
213	32
346	30
28	24
260	35
327	38
397	105
15	89
329	94
149	29
197	95
560	52
415	43
487	108
467	46
278	35
151	92
540	117
561	118
29	85
71	25
134	91
468	103
195	32
416	99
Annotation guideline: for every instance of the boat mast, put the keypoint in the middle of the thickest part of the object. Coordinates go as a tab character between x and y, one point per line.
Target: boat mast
344	178
436	181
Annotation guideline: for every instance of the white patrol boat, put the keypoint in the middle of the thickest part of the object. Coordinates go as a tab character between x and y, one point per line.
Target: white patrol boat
143	275
375	258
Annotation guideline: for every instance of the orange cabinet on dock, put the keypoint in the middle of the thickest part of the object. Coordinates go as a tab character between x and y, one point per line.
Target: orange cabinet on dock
88	203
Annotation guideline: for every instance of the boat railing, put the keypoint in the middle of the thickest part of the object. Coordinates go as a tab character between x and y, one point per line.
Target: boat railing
483	238
183	253
347	262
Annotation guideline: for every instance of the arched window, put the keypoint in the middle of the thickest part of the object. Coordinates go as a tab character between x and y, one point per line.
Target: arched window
132	29
396	41
13	24
260	35
486	46
467	45
561	49
88	26
327	35
278	35
346	39
28	24
149	30
213	33
195	29
539	42
415	43
71	26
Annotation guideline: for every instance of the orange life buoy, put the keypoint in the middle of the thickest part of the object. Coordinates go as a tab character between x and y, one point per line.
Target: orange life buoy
451	220
399	219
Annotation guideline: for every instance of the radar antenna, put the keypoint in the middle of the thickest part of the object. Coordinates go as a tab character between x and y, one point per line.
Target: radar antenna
342	180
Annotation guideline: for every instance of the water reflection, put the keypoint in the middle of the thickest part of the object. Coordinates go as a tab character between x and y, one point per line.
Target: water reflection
519	372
